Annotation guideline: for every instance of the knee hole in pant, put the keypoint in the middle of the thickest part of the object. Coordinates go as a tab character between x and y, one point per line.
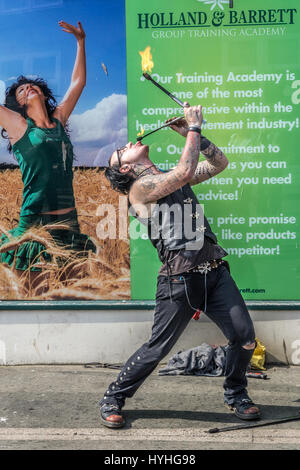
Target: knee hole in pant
250	346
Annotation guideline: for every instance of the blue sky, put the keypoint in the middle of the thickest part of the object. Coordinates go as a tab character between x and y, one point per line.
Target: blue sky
33	44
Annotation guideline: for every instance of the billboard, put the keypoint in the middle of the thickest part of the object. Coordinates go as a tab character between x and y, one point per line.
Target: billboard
236	58
36	46
240	61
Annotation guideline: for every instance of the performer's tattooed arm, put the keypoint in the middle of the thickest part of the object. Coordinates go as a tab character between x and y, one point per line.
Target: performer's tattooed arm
152	187
216	160
215	163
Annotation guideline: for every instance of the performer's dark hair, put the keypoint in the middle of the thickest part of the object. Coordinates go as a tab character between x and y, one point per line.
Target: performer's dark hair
120	182
12	103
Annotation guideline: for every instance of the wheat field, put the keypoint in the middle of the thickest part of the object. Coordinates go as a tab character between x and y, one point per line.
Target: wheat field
103	275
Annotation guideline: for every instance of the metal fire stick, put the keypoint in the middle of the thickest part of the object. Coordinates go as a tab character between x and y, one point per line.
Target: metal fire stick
155	130
254	425
148	77
173	97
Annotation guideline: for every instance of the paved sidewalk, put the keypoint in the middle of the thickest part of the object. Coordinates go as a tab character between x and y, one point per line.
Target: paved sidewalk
55	407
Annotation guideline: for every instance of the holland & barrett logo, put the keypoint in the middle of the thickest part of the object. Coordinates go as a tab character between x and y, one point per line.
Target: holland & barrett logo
215	3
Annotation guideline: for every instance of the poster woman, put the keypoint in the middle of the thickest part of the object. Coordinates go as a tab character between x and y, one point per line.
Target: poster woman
35	127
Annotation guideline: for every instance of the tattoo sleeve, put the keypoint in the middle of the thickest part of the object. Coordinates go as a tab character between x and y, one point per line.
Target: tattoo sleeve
215	163
151	188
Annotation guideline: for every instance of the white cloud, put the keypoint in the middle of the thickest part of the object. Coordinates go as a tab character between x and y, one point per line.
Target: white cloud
2	91
107	122
95	133
4	155
104	154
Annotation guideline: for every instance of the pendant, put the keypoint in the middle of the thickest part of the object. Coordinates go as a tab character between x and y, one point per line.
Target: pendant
64	154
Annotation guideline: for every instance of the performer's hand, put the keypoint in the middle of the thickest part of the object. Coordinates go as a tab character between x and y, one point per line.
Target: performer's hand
193	115
69	28
179	126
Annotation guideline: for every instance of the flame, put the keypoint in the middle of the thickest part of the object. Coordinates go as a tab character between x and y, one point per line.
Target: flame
147	63
141	133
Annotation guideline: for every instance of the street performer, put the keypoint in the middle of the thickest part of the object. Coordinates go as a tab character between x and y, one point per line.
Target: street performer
189	279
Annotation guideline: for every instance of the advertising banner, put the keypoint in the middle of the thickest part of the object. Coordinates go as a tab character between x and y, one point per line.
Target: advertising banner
53	197
240	60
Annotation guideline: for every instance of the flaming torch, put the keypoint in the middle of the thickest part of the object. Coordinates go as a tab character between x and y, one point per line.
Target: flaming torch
140	134
147	66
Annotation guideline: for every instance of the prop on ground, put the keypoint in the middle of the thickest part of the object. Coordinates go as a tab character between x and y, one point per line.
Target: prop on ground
210	361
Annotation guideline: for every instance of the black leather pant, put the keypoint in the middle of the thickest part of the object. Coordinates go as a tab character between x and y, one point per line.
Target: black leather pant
224	305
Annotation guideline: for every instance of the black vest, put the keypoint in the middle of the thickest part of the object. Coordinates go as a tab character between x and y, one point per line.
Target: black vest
165	227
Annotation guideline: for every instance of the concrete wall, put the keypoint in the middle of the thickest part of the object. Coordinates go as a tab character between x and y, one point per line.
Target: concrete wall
110	336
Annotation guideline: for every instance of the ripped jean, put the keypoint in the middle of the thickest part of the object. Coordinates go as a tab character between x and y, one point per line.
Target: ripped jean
224	306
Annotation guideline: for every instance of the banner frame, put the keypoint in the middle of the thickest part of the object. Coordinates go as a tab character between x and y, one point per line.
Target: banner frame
126	305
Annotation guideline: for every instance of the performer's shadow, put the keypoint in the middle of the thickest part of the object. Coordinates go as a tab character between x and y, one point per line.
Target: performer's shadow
268	412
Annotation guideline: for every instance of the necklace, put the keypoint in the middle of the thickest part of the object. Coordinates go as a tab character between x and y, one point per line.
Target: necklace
148	168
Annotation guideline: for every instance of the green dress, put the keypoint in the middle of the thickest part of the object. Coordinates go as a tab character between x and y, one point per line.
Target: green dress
45	157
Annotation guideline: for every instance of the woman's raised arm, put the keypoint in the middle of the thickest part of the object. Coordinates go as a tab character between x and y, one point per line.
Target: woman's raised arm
78	79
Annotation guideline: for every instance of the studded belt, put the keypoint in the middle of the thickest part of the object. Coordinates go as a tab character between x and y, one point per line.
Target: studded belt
205	267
